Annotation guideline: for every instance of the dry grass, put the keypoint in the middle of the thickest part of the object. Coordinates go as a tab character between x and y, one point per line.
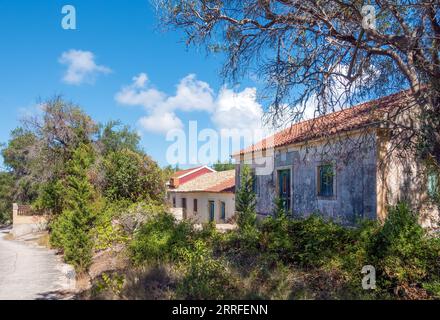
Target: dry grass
43	241
108	261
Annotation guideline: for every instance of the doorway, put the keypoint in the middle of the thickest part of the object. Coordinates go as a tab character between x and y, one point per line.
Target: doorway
284	188
211	211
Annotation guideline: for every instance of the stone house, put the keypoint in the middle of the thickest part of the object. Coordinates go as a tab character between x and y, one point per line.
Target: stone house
207	197
342	165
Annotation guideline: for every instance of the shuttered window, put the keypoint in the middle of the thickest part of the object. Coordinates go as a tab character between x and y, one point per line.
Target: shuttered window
433	185
326	180
222	210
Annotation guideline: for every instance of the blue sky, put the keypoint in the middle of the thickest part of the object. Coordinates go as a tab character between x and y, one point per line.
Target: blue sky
116	65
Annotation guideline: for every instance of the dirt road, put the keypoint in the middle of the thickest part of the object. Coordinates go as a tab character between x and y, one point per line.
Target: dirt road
29	272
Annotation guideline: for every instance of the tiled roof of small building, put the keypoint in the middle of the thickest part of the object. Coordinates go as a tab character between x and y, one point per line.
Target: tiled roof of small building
180	173
223	181
349	119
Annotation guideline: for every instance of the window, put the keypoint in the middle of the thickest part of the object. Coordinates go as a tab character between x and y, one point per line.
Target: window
222	210
432	185
326	180
174	202
195	206
184	203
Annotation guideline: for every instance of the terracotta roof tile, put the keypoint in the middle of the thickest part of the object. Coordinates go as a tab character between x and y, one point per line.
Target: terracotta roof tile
222	181
345	120
224	186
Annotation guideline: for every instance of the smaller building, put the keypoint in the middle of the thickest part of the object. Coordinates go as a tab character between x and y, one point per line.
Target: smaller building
207	197
183	176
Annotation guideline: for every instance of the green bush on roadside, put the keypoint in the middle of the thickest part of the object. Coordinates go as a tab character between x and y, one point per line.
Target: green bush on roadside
204	277
160	238
70	231
402	252
406	259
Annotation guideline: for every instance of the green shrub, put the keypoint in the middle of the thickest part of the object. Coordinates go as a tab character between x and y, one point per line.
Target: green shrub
51	197
71	230
282	257
70	235
134	176
160	238
107	231
246	201
402	252
433	288
316	241
6	196
109	282
204	276
275	237
106	235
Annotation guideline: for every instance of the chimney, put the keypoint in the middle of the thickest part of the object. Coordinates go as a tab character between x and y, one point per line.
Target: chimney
174	182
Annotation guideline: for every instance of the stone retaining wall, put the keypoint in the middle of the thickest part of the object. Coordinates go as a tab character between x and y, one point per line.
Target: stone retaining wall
25	221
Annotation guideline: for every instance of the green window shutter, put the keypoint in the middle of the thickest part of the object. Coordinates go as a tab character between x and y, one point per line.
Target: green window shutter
211	211
223	211
433	188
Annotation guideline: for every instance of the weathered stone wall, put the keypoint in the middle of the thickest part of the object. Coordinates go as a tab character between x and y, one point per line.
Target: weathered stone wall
370	176
354	158
401	177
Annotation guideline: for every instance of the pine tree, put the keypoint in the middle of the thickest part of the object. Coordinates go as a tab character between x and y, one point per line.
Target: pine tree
71	230
280	209
246	201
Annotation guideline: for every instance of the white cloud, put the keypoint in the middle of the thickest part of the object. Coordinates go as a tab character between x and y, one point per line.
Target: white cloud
81	67
139	94
161	122
192	95
238	110
228	110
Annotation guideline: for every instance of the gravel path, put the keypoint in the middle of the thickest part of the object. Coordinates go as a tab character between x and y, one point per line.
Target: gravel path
29	272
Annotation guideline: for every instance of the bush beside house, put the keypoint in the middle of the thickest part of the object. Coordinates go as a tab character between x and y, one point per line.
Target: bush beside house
281	258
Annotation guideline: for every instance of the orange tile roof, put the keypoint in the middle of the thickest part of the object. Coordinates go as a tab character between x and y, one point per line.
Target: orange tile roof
356	117
224	186
222	181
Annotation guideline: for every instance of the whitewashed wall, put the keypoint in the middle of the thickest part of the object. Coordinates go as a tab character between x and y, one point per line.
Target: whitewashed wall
203	198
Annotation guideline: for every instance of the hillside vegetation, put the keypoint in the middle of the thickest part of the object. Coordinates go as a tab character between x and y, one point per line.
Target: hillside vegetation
65	163
277	258
106	199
